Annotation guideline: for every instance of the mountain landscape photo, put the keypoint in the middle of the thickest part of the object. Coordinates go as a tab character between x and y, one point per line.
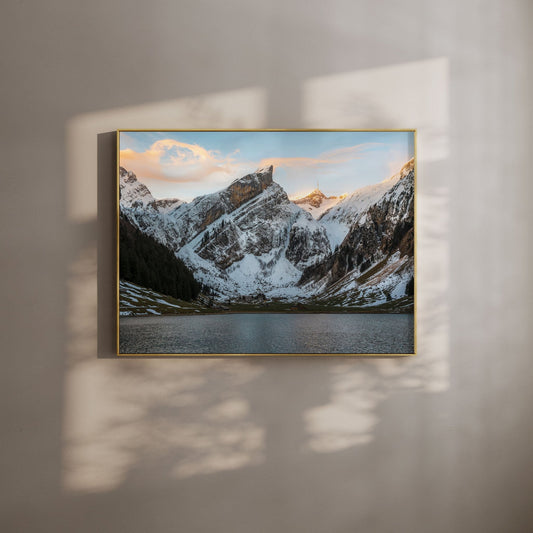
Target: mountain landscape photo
266	242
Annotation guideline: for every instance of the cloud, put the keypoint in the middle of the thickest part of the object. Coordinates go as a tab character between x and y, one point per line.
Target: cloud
347	153
331	157
198	170
177	162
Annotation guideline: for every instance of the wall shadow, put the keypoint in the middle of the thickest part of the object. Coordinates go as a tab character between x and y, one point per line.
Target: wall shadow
107	245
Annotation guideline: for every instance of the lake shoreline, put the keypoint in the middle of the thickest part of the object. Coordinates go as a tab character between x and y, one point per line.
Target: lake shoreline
269	312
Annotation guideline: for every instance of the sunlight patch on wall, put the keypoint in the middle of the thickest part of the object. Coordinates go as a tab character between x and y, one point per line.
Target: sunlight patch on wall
241	108
120	417
406	96
120	420
350	417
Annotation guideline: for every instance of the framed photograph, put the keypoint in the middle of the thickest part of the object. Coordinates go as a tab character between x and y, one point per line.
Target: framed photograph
266	242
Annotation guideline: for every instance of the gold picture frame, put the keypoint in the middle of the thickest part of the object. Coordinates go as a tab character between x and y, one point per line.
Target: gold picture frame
136	292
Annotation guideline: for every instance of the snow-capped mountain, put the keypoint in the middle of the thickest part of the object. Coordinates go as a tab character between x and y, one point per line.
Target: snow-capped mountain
261	247
375	259
245	239
317	203
173	222
151	216
250	239
134	195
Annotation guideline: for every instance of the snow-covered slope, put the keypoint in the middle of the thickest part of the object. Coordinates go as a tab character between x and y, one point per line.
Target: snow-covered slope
350	210
317	203
387	281
138	301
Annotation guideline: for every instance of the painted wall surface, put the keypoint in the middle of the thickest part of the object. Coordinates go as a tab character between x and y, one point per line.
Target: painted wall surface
436	443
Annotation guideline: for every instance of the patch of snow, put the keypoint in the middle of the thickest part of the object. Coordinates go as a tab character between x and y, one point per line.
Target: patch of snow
336	230
166	302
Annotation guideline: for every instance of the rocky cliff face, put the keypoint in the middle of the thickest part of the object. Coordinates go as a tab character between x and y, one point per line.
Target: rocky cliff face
195	217
246	188
385	228
215	205
262	246
173	222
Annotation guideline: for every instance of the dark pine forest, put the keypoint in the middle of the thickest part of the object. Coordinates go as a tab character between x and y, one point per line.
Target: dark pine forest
146	262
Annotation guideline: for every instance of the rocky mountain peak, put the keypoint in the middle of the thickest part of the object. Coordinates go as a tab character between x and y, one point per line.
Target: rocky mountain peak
127	176
407	168
317	203
314	198
261	175
265	172
249	186
133	193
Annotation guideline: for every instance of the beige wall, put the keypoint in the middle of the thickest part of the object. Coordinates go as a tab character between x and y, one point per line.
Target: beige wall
437	443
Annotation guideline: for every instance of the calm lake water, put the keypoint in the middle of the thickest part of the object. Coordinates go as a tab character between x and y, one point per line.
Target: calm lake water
268	333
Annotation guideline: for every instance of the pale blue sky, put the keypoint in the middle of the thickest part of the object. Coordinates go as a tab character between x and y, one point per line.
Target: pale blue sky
188	164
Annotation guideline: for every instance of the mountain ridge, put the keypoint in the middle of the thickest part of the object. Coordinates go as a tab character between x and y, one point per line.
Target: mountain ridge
381	233
250	238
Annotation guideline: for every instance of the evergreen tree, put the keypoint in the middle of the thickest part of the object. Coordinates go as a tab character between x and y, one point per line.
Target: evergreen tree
149	263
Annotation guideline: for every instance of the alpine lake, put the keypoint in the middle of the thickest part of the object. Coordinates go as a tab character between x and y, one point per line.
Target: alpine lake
233	333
